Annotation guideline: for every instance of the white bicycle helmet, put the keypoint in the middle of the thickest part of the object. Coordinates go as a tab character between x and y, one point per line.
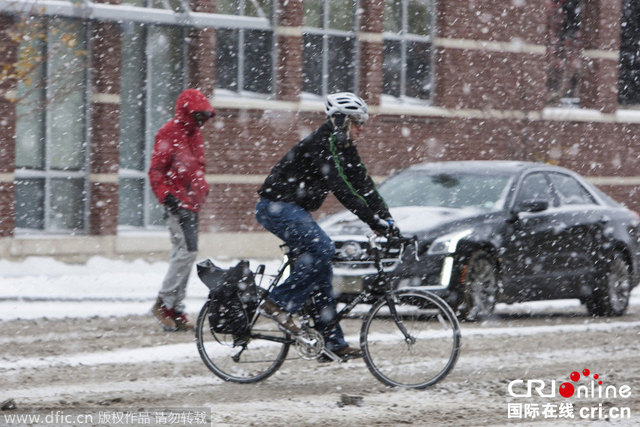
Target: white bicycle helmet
348	104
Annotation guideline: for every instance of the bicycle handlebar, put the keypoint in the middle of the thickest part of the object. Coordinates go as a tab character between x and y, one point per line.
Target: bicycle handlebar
391	241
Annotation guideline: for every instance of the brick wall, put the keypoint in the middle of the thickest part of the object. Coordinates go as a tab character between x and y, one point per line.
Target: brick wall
506	21
490	67
251	142
601	31
105	129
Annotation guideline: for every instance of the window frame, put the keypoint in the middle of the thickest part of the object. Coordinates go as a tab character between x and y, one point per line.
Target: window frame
565	42
628	86
151	210
405	38
326	32
241	47
47	174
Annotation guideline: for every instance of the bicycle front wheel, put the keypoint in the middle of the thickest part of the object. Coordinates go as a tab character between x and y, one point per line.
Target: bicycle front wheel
410	339
249	361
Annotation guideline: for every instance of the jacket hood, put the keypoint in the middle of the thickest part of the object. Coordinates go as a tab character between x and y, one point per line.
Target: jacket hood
190	101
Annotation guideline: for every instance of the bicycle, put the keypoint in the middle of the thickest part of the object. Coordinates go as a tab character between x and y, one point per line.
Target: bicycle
409	337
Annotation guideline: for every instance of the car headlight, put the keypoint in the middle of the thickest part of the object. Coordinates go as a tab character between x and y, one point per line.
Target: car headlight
448	243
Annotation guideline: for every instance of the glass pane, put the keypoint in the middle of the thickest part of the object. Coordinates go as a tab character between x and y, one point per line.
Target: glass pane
258	8
228	7
156	211
313	13
392	68
67	204
312	67
258	62
165	56
30	107
131	202
570	191
629	81
175	5
133	80
419	17
227	59
419	70
342	14
66	91
134	2
30	203
393	16
342	70
535	187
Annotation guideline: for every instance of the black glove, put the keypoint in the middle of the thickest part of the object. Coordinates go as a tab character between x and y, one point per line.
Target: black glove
385	227
393	230
172	203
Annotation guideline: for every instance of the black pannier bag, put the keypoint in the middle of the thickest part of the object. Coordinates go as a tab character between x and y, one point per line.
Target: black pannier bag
233	296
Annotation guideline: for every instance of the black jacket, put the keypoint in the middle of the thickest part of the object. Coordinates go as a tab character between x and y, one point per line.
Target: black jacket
320	163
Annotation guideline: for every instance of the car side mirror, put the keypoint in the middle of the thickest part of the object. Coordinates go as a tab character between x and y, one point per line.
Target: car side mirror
534	206
529	206
537	205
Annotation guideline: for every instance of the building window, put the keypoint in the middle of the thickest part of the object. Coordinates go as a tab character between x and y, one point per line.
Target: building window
330	48
407	68
629	91
153	75
244	60
51	134
565	44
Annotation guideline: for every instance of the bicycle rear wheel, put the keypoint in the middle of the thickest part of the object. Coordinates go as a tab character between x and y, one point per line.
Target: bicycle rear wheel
257	359
415	349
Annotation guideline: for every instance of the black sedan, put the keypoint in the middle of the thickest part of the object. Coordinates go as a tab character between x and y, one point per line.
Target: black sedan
499	231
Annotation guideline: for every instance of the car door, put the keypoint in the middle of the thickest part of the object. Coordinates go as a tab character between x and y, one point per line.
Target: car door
580	222
530	249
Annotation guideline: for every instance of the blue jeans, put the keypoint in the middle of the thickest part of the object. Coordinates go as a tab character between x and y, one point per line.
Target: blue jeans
312	273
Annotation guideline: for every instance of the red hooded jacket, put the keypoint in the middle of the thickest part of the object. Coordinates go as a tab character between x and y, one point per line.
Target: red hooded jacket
177	163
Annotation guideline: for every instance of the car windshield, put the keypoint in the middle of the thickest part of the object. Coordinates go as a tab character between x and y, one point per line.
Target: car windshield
457	190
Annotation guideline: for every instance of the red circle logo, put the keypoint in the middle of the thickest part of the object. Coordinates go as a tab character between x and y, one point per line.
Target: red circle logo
566	390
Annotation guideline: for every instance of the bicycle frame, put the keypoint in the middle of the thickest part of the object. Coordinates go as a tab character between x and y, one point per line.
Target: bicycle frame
381	280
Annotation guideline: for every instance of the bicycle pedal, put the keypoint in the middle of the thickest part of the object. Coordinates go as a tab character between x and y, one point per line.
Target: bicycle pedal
327	356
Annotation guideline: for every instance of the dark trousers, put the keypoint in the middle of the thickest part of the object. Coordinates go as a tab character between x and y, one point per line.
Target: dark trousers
312	273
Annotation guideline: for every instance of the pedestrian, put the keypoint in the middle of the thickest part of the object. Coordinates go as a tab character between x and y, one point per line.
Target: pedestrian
177	178
325	161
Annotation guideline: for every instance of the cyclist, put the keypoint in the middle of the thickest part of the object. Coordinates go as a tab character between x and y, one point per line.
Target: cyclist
325	161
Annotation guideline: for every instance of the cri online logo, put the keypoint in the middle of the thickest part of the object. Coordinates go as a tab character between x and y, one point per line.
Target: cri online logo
529	388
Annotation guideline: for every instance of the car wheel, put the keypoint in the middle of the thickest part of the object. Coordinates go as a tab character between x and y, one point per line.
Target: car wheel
479	287
610	297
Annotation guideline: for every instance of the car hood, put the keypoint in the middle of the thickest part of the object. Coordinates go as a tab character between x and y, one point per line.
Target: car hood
410	220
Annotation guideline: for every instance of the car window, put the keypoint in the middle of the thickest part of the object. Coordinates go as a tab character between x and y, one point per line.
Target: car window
446	190
535	186
570	191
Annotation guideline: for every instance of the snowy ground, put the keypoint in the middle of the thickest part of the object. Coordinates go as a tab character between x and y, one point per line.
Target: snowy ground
77	340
